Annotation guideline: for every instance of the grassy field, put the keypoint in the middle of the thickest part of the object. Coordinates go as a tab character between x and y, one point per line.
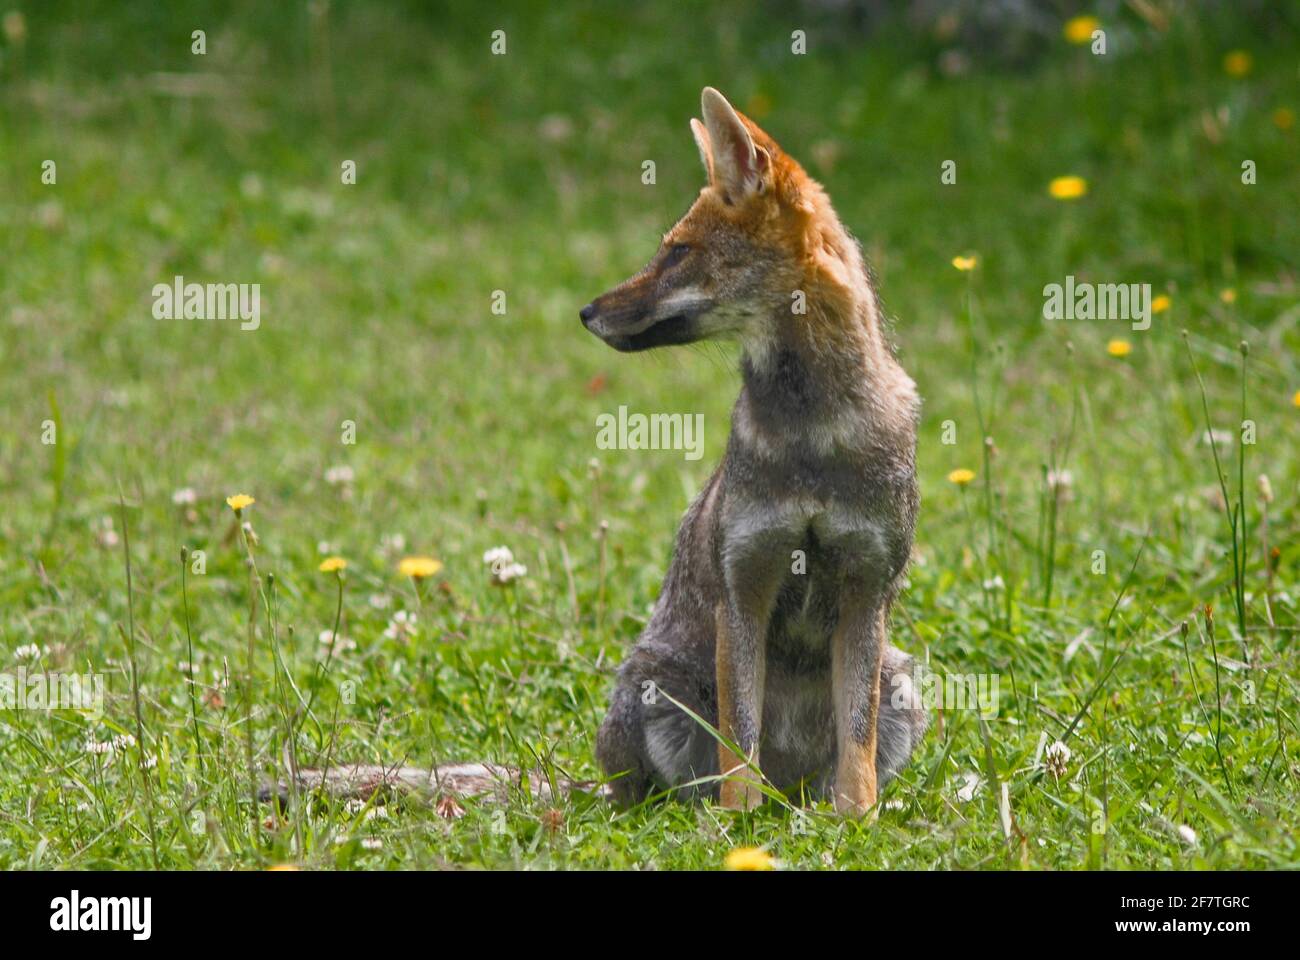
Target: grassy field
1096	524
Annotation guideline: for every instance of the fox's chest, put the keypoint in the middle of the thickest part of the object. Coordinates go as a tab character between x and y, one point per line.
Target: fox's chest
809	545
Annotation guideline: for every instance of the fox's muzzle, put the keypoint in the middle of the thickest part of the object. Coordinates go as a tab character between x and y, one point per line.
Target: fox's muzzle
634	317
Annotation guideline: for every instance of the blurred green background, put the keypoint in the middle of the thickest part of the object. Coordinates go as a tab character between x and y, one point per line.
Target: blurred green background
522	173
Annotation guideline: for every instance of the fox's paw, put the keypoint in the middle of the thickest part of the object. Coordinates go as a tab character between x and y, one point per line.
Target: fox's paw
859	809
855	782
739	790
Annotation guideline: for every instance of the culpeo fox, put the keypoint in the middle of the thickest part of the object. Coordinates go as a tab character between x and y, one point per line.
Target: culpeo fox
792	666
771	622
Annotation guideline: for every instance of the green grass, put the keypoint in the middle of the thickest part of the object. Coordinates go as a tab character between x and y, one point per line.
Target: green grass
522	173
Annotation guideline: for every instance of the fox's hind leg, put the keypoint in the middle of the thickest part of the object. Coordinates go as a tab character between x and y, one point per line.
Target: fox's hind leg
646	741
620	747
901	719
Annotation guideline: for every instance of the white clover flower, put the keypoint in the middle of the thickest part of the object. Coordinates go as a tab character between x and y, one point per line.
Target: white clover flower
508	574
340	642
1188	835
185	497
29	651
109	748
338	476
402	626
1057	758
504	569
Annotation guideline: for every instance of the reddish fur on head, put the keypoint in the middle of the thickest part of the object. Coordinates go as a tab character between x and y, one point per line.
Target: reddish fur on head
759	232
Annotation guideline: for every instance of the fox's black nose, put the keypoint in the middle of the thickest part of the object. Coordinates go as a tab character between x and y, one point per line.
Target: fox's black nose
586	313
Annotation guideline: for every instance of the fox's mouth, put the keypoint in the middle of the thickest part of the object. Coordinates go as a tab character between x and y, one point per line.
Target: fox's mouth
631	333
629	338
677	329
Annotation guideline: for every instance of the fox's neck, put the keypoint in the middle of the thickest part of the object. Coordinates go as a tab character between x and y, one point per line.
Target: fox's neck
830	363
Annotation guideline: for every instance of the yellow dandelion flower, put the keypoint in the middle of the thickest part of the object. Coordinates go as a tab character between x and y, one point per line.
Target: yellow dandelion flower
419	567
1296	399
239	501
282	868
1119	348
1228	295
1160	303
1283	118
1237	63
333	565
966	263
961	476
749	858
1079	29
1068	188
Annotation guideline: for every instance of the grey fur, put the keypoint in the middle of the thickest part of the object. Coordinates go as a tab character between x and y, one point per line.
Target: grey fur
854	518
820	466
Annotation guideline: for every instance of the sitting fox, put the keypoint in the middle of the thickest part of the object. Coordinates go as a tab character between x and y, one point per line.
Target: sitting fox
772	619
771	622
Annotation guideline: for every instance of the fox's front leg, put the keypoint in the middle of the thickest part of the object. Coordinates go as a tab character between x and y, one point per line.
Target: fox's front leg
857	648
740	669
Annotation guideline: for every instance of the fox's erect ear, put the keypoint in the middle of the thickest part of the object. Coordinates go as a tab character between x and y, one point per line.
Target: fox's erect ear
739	167
702	141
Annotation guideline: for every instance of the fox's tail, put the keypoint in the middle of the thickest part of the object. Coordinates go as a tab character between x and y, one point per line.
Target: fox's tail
482	781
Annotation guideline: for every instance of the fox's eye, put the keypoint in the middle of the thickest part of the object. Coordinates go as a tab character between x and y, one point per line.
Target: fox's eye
676	254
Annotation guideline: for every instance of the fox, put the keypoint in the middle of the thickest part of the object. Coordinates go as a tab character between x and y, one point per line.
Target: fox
771	623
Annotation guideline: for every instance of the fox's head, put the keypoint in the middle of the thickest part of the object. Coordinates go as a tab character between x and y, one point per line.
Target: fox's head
730	266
